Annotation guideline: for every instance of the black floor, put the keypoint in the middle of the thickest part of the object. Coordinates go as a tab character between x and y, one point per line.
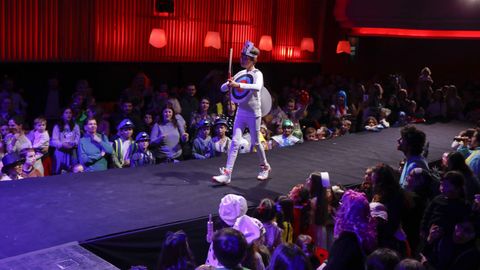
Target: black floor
37	214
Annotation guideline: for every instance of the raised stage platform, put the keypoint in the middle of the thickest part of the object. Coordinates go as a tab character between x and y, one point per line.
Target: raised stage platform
41	213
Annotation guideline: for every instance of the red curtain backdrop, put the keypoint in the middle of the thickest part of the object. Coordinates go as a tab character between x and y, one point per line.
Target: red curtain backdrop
119	30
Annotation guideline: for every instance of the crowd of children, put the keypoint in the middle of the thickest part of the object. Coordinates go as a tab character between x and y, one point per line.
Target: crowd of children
181	126
432	222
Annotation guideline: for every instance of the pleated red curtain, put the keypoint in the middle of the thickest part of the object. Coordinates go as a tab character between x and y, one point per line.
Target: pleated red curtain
119	30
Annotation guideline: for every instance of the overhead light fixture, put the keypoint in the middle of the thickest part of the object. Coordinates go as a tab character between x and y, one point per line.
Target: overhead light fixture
158	38
212	39
307	45
343	46
265	43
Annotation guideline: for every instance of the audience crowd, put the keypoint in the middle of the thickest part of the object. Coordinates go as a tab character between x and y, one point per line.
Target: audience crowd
416	216
180	124
430	221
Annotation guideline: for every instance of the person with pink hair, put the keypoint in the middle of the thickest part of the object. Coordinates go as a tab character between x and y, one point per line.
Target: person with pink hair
354	232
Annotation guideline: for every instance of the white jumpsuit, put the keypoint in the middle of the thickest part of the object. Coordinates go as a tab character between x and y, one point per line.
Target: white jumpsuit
249	115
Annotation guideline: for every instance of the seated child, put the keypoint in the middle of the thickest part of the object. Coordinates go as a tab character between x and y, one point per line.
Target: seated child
384	113
28	168
286	138
12	167
142	156
311	134
203	147
40	141
265	212
402	120
221	143
323	133
346	127
264	136
123	146
415	114
372	124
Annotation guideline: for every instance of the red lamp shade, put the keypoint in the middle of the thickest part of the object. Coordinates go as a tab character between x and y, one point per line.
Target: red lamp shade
343	46
158	38
307	45
212	39
265	43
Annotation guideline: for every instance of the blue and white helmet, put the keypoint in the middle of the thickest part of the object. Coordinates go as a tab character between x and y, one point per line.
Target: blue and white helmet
142	136
247	49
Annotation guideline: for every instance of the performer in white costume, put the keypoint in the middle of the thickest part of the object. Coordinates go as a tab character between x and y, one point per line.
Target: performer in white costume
245	89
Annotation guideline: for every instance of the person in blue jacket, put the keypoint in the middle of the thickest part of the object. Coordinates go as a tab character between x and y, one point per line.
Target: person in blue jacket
93	148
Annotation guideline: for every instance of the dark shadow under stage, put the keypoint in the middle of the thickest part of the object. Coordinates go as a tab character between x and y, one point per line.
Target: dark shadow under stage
38	214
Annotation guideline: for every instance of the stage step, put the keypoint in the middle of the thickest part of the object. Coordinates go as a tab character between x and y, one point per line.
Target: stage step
69	256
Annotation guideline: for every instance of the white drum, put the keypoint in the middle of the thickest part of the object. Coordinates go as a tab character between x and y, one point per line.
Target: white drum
266	101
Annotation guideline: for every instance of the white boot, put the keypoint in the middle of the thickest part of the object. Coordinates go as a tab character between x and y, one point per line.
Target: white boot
265	170
225	176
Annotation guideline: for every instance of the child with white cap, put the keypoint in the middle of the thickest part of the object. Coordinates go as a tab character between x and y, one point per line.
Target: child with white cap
231	207
245	88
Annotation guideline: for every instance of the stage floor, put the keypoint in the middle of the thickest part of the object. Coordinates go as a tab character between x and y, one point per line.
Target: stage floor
41	213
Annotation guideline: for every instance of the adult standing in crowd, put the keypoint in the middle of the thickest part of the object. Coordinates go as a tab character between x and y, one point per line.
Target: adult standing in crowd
93	148
65	139
166	137
411	143
202	113
456	162
7	90
53	99
16	140
6	109
189	102
387	191
126	112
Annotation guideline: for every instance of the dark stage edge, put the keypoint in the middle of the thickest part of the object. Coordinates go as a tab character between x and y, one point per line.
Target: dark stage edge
38	214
